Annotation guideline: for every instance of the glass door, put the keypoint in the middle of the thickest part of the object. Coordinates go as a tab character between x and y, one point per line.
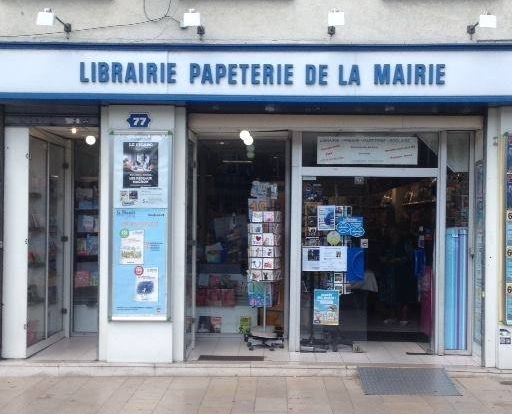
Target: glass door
458	286
45	284
190	277
367	267
56	240
37	242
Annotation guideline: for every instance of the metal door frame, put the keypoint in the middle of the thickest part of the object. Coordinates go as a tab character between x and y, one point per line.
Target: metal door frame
192	244
300	172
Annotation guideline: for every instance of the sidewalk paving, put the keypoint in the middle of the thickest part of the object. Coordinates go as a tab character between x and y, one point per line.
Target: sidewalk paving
487	393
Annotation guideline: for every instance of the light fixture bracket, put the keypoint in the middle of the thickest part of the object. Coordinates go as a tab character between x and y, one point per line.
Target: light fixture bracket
67	26
334	18
47	17
485	20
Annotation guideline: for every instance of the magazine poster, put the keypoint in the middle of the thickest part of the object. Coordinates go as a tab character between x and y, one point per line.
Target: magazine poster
146	285
326	218
132	247
139	264
326	307
141	165
324	259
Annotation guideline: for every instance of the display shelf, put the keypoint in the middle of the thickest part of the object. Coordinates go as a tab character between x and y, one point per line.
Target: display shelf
85	317
86	295
229	318
86	239
418	203
264	272
87	258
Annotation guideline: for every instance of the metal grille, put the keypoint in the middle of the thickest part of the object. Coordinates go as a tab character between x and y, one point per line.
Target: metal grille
406	381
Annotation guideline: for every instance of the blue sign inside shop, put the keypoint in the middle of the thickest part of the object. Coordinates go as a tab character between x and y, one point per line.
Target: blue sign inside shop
350	226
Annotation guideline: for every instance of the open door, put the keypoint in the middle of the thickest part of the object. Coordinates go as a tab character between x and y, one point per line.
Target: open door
46	244
190	277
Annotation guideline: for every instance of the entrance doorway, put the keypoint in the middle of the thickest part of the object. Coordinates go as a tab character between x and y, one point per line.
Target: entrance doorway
383	228
72	283
233	180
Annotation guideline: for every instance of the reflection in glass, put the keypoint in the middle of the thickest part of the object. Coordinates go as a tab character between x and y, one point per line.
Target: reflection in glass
37	243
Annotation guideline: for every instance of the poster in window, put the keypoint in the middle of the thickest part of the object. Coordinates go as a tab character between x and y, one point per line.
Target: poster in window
324	259
361	150
139	264
326	307
326	218
141	165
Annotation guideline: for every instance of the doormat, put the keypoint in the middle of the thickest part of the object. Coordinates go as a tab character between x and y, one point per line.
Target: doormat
406	381
398	336
230	358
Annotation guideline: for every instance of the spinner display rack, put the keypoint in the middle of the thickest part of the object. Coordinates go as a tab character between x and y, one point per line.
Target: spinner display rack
264	262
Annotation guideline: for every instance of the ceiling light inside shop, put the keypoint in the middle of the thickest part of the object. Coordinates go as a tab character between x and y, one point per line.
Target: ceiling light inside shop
246	137
244	134
249	141
90	140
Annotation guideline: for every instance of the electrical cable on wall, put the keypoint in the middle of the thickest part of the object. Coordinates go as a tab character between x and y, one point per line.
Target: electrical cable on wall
165	16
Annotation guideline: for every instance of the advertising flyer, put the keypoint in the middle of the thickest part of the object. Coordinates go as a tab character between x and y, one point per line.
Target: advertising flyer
326	306
146	285
132	247
326	218
139	266
141	165
324	258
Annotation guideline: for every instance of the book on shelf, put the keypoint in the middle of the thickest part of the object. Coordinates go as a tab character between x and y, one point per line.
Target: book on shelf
91	242
216	322
85	198
86	223
96	227
81	246
82	278
94	278
36	221
204	324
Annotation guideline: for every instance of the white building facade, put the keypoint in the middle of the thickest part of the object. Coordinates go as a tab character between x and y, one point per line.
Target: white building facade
116	251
